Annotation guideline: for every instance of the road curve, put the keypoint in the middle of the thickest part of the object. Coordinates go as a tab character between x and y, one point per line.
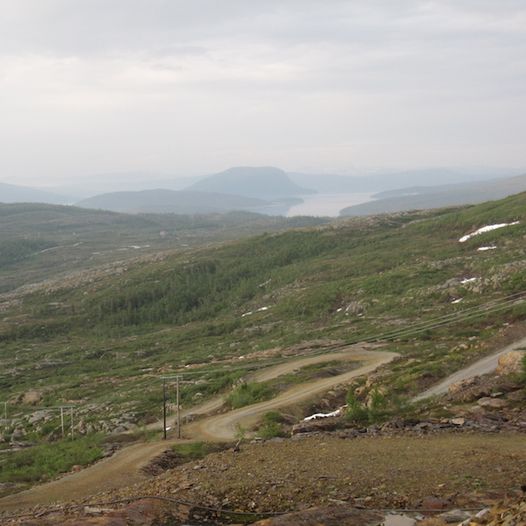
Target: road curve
124	468
484	366
224	427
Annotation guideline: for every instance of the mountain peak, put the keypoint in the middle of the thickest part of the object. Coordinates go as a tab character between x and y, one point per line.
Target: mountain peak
251	181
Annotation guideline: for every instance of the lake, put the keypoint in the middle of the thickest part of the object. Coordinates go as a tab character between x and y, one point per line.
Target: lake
327	204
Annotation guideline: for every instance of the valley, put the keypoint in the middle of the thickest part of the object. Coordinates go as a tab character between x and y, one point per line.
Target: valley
372	307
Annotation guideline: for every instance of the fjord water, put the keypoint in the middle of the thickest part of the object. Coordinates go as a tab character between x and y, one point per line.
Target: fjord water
327	204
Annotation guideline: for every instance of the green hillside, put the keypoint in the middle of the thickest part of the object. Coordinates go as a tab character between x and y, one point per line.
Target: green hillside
106	342
39	241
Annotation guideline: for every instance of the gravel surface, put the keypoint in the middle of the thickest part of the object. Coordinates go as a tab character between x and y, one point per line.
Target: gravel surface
392	471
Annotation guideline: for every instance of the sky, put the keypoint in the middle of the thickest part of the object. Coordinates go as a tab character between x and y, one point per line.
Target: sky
192	87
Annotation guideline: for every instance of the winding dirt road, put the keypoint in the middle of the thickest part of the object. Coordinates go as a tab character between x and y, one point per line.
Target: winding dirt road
124	468
484	366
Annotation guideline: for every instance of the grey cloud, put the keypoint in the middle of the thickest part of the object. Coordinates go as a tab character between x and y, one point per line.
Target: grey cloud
105	85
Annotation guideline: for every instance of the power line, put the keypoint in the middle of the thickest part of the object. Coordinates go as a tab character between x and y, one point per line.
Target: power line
490	307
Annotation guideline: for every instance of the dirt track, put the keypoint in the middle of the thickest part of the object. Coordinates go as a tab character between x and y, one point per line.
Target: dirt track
484	366
123	468
224	427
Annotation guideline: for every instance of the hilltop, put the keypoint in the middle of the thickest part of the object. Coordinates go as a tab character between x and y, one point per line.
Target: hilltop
164	201
10	193
264	182
425	197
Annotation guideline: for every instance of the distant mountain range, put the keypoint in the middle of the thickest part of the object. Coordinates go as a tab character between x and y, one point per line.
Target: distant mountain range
264	189
10	193
171	201
377	182
423	197
269	190
264	182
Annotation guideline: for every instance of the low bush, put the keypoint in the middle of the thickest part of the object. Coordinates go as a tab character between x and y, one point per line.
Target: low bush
272	426
46	461
248	394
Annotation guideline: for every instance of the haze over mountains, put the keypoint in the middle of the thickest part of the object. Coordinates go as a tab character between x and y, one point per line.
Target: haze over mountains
170	201
10	193
424	197
264	181
262	189
271	190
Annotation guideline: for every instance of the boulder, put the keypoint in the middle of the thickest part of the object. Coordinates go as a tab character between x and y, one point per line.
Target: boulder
433	503
32	397
317	426
511	362
455	516
492	403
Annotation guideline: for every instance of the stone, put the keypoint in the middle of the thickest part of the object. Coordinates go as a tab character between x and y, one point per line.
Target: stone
511	362
32	397
492	403
434	503
458	421
395	519
454	516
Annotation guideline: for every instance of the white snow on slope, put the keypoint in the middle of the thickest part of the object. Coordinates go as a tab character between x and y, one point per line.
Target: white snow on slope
468	280
249	313
483	249
315	416
487	228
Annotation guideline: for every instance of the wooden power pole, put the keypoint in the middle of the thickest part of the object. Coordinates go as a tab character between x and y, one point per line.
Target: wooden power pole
164	408
62	421
178	408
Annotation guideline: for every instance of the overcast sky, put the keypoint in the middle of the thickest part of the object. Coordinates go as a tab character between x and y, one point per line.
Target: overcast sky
194	86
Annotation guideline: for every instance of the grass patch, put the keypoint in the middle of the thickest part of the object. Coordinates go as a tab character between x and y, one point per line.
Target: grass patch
44	462
248	394
272	426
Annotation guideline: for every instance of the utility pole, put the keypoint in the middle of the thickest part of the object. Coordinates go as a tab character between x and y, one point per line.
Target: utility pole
164	408
178	408
62	421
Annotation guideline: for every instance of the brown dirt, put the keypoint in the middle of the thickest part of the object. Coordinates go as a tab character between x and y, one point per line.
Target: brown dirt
382	472
125	467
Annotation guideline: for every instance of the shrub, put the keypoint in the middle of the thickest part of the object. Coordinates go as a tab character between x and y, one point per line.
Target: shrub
249	393
271	426
356	411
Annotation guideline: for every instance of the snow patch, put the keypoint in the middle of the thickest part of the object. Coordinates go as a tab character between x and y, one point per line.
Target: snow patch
483	249
487	228
315	416
250	312
457	300
468	280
